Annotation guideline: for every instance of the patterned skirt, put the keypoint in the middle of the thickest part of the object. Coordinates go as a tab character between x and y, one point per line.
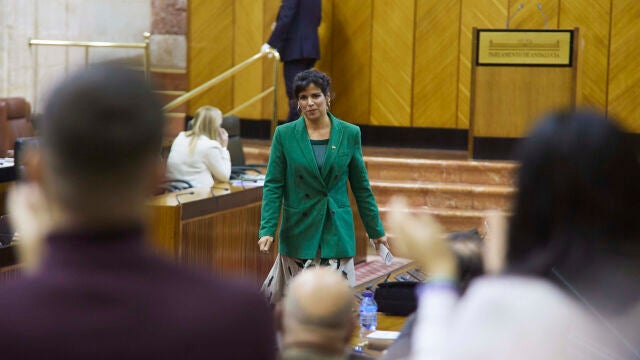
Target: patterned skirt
285	268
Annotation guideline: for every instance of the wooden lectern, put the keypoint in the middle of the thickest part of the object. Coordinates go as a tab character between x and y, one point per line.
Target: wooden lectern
516	77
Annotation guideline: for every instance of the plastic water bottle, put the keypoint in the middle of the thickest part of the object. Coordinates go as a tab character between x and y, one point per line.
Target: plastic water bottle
368	314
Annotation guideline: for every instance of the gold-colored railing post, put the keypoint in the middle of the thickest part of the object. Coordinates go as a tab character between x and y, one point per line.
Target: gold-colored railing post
86	56
276	65
147	55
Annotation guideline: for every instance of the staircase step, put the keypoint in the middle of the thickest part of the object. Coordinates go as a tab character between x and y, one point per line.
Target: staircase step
425	170
450	219
170	79
445	195
174	124
167	96
443	171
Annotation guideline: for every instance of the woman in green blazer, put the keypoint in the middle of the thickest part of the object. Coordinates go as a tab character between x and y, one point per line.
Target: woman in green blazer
311	160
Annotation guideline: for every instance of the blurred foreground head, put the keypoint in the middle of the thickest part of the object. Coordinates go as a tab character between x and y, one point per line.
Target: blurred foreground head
101	136
575	211
317	314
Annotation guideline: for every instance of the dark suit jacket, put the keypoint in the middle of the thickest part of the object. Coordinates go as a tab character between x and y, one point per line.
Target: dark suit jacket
296	33
315	204
103	296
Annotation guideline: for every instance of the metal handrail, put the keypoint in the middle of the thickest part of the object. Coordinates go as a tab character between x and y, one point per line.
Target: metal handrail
272	53
103	44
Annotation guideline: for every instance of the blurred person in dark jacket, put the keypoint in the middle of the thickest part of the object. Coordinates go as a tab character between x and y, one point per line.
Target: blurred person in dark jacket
97	291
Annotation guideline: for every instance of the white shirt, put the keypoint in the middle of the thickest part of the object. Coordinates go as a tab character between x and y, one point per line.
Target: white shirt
503	317
209	160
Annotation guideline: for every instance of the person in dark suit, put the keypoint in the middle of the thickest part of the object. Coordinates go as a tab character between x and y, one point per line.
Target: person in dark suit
295	36
310	162
98	292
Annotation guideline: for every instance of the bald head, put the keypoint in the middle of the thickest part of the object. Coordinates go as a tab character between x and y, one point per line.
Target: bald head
318	309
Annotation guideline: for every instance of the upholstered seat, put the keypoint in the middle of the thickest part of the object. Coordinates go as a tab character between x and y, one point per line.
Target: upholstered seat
15	122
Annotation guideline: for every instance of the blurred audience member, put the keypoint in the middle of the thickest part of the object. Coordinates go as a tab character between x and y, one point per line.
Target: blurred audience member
571	256
98	292
467	247
315	319
200	155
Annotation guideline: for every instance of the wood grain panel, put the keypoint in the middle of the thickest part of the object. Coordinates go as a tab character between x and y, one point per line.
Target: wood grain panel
499	113
324	32
226	242
270	13
210	50
351	61
435	77
624	77
392	62
248	36
4	188
532	17
485	14
164	227
593	20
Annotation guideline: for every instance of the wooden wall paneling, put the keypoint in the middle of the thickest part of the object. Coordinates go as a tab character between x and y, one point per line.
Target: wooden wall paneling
210	42
392	62
483	14
435	76
593	19
351	60
325	32
270	13
248	37
530	17
624	61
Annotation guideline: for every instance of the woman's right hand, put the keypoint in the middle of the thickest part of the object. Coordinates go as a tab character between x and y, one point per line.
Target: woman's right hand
223	138
265	243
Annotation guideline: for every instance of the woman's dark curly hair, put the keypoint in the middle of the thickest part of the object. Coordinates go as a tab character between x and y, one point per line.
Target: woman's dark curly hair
312	76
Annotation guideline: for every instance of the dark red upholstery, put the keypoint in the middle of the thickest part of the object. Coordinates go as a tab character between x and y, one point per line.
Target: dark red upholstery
15	122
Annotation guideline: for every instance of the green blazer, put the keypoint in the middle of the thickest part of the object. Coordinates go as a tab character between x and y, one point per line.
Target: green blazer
315	204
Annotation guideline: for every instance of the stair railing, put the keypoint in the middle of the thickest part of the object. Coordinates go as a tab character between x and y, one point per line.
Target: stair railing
94	44
271	53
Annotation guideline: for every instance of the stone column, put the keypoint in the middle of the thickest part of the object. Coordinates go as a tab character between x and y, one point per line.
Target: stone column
169	29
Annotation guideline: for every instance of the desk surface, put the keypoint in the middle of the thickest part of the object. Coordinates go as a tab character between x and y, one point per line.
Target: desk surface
201	201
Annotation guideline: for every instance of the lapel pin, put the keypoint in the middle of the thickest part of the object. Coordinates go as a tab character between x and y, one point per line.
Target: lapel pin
333	146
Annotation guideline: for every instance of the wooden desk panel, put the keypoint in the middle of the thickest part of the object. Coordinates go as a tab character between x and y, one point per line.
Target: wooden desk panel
220	232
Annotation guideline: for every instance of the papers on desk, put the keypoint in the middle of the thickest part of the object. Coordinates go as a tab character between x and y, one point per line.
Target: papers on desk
6	162
381	339
247	180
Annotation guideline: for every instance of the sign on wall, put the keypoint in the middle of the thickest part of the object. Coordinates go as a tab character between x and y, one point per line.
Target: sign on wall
524	47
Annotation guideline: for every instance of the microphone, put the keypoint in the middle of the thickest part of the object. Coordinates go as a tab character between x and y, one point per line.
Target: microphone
217	187
506	25
178	196
544	17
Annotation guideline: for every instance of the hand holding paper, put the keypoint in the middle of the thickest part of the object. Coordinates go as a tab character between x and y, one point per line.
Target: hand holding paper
384	252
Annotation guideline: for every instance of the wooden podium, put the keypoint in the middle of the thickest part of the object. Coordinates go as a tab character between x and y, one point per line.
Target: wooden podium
516	77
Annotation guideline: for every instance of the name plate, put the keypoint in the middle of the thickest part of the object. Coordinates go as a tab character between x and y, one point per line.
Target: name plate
524	47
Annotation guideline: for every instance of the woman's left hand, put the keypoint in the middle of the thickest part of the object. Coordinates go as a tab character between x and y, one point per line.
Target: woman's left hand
381	240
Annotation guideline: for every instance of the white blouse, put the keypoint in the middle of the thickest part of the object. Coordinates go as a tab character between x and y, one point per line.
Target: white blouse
209	160
503	317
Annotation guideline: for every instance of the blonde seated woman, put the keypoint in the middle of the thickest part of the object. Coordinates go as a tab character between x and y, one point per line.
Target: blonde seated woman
200	155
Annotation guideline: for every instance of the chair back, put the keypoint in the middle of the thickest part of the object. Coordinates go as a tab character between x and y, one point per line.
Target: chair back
15	121
232	125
